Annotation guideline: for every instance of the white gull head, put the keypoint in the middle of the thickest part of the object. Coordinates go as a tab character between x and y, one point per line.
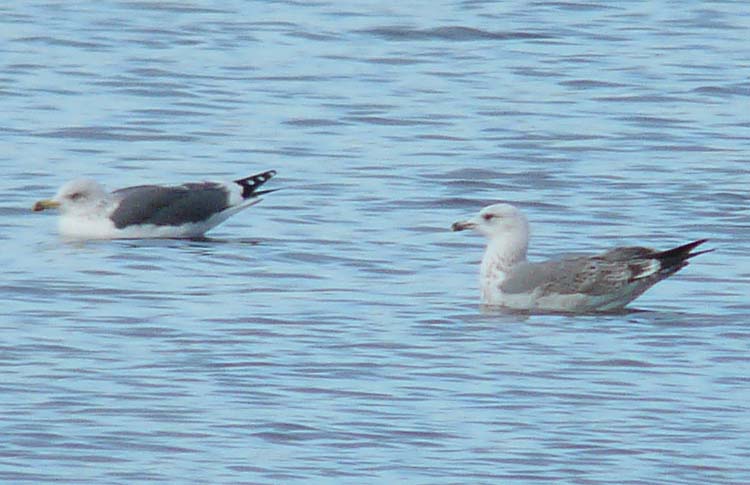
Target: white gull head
84	206
81	196
508	232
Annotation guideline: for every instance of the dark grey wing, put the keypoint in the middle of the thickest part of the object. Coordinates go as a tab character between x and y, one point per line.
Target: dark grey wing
168	206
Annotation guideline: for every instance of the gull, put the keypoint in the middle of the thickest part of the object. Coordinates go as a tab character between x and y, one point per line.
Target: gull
598	283
88	211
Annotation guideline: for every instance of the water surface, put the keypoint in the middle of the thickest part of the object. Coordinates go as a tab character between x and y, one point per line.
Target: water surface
332	333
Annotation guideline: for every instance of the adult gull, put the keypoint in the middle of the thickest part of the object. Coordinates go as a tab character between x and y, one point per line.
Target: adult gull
88	211
598	283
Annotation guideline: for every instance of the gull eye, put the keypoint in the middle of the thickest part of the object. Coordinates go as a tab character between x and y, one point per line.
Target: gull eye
75	195
488	217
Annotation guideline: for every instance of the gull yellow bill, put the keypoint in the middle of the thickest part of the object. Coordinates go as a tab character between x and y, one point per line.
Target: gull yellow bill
45	204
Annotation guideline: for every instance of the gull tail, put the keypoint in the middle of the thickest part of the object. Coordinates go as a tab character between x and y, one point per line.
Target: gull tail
251	184
675	259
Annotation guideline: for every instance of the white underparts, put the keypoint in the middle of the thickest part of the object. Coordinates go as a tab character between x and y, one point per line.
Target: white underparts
98	225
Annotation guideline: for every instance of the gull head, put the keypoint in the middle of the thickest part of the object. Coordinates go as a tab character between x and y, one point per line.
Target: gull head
497	220
77	196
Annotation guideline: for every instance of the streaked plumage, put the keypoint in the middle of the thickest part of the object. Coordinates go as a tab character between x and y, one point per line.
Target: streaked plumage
602	282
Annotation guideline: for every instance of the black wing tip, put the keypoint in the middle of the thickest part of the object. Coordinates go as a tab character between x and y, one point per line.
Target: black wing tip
251	184
688	248
697	242
684	252
698	253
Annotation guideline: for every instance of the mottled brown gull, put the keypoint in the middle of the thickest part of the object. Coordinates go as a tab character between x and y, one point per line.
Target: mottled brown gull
598	283
88	211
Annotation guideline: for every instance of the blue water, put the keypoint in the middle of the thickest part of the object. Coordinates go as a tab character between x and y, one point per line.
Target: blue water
332	333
